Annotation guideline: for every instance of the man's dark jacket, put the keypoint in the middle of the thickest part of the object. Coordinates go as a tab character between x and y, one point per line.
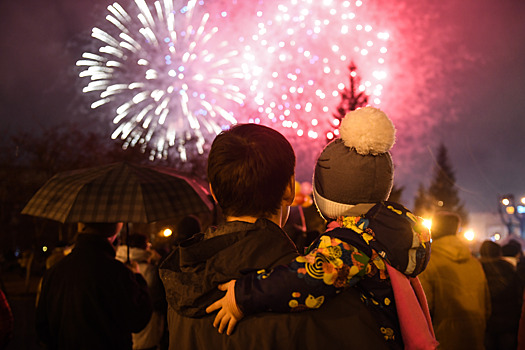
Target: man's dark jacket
193	271
89	300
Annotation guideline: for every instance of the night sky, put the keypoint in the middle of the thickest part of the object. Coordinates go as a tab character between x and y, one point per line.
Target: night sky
457	76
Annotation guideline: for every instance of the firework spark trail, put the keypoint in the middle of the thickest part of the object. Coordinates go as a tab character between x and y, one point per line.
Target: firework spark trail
168	75
305	48
172	80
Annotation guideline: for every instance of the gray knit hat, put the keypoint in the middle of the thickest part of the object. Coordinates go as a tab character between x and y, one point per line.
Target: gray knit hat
355	171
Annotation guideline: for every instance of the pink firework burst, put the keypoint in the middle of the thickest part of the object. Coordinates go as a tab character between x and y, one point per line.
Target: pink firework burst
303	49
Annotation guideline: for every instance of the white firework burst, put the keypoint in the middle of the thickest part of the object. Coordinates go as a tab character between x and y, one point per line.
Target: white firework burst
166	74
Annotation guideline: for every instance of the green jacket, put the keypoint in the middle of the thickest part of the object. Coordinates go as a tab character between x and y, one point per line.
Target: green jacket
457	295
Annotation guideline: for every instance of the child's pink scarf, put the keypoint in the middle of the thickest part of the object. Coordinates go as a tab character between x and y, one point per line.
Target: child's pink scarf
412	311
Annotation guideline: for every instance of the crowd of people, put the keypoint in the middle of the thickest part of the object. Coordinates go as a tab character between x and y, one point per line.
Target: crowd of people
377	278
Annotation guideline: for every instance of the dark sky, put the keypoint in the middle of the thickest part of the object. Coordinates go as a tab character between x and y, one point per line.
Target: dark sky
459	70
37	58
485	136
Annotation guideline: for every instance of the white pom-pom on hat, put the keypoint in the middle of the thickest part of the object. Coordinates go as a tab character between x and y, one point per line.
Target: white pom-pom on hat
368	130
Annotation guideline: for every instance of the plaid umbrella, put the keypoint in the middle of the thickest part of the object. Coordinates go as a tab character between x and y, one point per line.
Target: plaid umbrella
119	192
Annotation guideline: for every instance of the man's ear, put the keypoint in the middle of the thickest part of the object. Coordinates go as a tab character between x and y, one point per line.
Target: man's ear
289	192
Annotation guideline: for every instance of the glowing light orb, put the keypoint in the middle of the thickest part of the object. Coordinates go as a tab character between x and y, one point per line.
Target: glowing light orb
167	232
469	235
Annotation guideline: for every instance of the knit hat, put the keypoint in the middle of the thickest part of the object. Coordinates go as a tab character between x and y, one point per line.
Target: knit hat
355	171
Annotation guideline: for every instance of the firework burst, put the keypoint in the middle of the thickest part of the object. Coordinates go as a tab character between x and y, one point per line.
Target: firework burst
306	47
173	80
167	75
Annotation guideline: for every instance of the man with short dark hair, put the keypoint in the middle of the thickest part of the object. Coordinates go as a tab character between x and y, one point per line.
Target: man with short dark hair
456	288
90	300
249	169
251	175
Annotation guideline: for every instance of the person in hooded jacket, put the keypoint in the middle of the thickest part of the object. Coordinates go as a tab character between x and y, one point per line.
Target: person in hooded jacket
251	175
456	288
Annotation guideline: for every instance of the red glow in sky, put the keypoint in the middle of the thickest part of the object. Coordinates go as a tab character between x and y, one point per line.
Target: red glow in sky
455	72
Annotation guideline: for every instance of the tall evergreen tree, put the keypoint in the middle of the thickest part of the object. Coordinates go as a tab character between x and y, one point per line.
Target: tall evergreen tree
351	99
442	193
442	188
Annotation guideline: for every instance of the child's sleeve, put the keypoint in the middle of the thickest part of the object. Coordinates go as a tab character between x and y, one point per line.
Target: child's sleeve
330	266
